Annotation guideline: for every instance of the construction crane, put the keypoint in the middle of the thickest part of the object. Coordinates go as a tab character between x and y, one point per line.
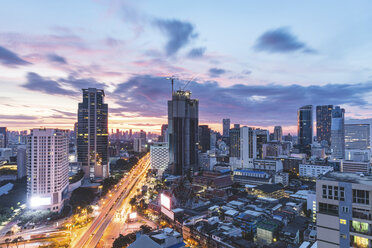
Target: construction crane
172	78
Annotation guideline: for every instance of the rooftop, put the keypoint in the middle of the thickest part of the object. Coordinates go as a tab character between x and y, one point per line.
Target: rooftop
347	177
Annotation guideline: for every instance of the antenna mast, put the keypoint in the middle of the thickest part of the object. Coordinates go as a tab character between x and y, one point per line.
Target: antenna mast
172	78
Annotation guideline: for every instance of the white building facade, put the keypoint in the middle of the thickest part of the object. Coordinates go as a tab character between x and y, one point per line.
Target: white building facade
159	154
313	171
47	169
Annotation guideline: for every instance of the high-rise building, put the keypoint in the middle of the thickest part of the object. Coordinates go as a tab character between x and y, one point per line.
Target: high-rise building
143	135
357	136
338	133
251	145
305	127
204	138
344	210
278	133
235	141
47	168
21	161
323	123
259	137
138	145
4	138
183	122
92	134
159	155
225	127
164	133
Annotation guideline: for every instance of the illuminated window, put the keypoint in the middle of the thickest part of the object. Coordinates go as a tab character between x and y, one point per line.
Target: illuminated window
360	242
342	221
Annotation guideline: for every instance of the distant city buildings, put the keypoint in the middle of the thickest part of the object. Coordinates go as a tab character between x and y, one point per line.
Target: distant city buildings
323	123
47	169
357	136
183	119
225	127
338	133
204	138
234	141
3	137
92	134
305	127
21	161
278	133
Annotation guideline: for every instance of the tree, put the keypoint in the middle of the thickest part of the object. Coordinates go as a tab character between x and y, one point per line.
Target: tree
81	197
145	229
123	241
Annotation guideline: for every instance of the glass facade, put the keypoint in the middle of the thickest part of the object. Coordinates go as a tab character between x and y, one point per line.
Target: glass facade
92	134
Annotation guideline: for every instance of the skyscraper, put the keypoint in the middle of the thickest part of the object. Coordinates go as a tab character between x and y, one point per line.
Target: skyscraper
183	119
357	136
234	141
92	134
278	133
3	131
159	157
204	138
305	127
338	133
225	127
323	123
47	168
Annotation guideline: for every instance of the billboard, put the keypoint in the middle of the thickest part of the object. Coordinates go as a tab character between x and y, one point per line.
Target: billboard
165	201
36	201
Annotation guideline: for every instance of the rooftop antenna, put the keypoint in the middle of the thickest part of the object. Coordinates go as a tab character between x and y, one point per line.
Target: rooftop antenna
172	78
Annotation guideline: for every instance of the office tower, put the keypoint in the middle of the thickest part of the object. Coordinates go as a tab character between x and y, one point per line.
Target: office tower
130	133
338	133
305	127
204	138
3	133
278	133
234	141
159	155
323	123
343	210
143	135
164	133
183	117
47	168
288	137
259	137
21	161
213	140
225	127
138	145
92	135
357	136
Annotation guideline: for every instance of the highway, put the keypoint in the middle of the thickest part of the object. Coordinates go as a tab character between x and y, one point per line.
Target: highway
93	234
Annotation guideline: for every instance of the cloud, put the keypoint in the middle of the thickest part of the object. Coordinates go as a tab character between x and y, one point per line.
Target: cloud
17	117
179	34
256	105
10	59
216	72
82	83
56	58
35	82
196	52
64	113
60	86
280	40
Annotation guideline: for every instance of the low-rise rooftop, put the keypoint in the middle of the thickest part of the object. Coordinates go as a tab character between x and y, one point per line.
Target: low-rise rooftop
347	177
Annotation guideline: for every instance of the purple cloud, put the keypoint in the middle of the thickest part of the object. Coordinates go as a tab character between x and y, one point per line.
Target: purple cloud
216	72
281	40
179	34
56	58
10	59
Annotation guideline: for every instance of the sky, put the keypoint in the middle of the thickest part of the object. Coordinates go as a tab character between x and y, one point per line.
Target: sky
255	62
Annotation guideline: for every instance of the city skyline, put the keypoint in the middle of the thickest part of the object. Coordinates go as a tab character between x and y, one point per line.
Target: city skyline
128	49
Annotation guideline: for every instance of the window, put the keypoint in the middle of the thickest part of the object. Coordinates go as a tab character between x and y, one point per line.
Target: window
324	191
360	196
342	221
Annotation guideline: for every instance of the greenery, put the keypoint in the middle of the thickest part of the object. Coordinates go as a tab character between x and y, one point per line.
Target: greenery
36	216
124	165
123	241
12	200
81	197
